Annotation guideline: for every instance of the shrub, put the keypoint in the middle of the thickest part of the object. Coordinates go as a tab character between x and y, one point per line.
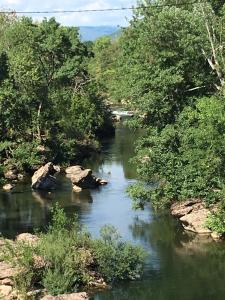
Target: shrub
117	260
185	160
64	258
216	222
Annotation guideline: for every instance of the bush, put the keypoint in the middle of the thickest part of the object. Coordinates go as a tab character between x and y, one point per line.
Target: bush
216	222
185	160
117	260
26	155
66	258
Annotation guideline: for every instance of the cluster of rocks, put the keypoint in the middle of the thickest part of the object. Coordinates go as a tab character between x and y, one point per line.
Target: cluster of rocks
44	178
8	273
193	216
13	176
83	178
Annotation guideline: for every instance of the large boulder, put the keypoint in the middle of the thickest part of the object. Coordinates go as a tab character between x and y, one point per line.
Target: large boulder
83	178
75	296
43	178
192	214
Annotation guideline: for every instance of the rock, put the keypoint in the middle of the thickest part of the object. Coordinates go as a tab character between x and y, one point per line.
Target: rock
57	169
77	189
7	271
20	177
39	262
83	178
216	236
12	173
43	178
75	296
8	187
34	293
180	209
41	149
27	238
73	170
192	214
196	220
6	281
5	290
103	182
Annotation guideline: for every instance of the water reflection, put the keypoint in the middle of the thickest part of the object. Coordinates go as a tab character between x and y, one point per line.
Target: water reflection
181	265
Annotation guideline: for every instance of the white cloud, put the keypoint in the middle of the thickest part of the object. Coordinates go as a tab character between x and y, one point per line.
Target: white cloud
87	18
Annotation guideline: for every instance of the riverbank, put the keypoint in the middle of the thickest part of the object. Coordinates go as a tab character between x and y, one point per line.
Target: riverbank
194	216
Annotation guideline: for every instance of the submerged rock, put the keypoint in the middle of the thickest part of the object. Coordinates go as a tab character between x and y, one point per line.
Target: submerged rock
43	178
75	296
192	214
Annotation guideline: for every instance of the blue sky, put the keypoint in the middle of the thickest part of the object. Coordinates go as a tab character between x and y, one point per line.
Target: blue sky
88	19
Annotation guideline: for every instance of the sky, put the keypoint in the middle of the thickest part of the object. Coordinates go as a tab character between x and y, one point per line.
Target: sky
116	18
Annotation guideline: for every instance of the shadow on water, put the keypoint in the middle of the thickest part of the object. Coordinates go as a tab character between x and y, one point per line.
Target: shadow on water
179	265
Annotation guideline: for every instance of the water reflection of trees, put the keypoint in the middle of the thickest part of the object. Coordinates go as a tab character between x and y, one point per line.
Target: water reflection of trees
119	150
19	213
191	267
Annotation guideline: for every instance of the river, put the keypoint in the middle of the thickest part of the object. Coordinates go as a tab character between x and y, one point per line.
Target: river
179	265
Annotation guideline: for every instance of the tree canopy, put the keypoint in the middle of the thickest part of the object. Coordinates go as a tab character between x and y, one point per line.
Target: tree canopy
47	96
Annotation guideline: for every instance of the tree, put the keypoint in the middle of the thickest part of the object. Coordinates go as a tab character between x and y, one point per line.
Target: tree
46	95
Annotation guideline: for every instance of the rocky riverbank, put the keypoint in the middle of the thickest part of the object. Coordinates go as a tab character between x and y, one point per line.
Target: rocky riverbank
9	274
45	178
193	215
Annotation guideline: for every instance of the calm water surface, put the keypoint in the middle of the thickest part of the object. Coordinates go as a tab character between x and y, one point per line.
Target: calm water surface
178	266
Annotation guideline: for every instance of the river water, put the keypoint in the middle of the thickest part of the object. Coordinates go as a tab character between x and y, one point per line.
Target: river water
179	265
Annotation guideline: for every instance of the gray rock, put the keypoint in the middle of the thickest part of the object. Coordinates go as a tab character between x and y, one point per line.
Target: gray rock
83	178
43	178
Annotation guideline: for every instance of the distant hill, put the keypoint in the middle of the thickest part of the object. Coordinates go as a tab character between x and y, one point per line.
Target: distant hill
91	33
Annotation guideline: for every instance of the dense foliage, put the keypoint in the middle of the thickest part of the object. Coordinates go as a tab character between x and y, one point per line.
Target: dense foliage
47	97
66	258
170	71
